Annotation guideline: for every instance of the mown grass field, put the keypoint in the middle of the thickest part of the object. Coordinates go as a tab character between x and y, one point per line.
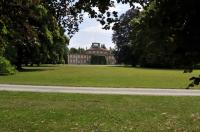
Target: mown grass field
83	113
100	76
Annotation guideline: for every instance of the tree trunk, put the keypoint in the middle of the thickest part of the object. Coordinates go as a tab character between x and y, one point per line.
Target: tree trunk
19	57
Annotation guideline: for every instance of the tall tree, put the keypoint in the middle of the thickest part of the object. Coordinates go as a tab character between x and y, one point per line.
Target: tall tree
160	34
150	40
34	35
121	37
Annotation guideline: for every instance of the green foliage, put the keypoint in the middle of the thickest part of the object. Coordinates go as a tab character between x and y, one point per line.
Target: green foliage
121	37
76	51
150	43
3	32
165	34
103	15
48	35
98	60
41	10
36	37
3	29
5	67
159	36
194	82
73	51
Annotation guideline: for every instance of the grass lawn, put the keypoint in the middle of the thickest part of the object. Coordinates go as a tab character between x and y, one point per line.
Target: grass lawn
83	113
100	76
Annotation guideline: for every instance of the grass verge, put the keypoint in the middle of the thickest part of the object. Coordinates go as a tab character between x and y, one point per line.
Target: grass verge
76	112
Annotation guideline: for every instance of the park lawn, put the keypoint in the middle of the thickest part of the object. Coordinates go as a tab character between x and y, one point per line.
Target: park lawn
100	76
83	113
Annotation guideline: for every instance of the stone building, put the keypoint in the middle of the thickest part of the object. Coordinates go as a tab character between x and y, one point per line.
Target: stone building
96	50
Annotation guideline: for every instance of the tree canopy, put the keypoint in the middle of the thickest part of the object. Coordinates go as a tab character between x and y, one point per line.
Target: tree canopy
30	33
164	34
170	27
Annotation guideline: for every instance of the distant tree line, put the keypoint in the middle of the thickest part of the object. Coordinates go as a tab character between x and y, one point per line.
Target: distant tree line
76	50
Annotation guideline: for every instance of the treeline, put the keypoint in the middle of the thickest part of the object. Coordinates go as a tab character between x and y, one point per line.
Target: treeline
76	50
30	33
161	34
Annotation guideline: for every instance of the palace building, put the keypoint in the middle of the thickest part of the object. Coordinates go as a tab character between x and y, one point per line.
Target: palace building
96	51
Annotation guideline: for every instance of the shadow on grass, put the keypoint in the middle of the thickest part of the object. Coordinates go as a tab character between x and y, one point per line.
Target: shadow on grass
47	66
148	68
44	65
35	69
122	66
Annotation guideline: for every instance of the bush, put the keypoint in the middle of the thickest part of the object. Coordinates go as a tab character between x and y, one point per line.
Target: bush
99	60
5	67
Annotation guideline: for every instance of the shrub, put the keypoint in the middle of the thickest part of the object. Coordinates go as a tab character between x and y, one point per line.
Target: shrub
5	67
100	60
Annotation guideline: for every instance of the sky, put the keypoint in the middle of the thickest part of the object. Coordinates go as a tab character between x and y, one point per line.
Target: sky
91	31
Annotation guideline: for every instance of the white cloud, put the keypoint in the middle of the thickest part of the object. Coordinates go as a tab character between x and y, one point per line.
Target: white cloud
91	31
120	8
96	29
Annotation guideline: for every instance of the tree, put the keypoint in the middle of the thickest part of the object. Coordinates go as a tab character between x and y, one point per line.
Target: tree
3	32
73	51
166	33
150	41
157	36
179	21
34	35
69	13
121	37
98	60
76	51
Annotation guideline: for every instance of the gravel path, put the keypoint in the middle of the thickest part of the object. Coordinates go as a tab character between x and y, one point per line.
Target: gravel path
95	90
